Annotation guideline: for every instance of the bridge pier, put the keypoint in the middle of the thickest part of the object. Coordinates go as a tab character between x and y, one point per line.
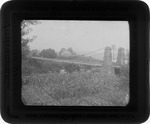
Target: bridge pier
107	61
121	56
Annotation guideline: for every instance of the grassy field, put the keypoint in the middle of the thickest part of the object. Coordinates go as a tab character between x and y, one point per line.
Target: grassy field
75	89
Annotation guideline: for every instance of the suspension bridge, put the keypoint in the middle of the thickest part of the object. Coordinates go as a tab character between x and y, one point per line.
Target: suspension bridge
107	59
74	60
91	63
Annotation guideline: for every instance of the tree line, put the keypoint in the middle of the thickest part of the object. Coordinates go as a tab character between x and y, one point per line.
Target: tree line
51	53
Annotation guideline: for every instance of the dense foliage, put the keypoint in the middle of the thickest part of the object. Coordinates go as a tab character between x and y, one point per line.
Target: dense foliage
25	30
78	88
48	53
33	66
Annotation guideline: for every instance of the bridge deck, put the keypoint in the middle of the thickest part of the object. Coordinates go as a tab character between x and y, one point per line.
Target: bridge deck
70	61
74	61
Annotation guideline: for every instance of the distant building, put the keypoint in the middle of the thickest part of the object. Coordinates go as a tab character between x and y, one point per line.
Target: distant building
66	52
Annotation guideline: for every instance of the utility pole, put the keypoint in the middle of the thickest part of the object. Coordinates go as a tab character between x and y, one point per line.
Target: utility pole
113	48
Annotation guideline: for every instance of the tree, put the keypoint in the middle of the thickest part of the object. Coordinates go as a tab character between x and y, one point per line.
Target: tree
71	68
62	50
34	52
128	57
71	51
48	53
25	30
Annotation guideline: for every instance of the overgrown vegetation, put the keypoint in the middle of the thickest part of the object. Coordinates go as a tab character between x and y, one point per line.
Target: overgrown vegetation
82	88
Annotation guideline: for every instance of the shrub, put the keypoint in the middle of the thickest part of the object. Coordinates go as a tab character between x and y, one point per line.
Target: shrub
124	78
71	68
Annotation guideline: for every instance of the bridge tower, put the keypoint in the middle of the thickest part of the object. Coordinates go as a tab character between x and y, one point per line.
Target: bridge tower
107	61
121	56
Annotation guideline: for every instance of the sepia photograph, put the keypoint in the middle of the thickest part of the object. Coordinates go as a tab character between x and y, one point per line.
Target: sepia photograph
75	63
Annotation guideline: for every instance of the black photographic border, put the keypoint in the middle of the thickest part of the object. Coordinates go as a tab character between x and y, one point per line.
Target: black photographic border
135	12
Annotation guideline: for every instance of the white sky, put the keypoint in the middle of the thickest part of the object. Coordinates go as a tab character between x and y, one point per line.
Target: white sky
82	36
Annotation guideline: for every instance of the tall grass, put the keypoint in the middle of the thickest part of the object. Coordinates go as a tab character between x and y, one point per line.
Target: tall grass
73	89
